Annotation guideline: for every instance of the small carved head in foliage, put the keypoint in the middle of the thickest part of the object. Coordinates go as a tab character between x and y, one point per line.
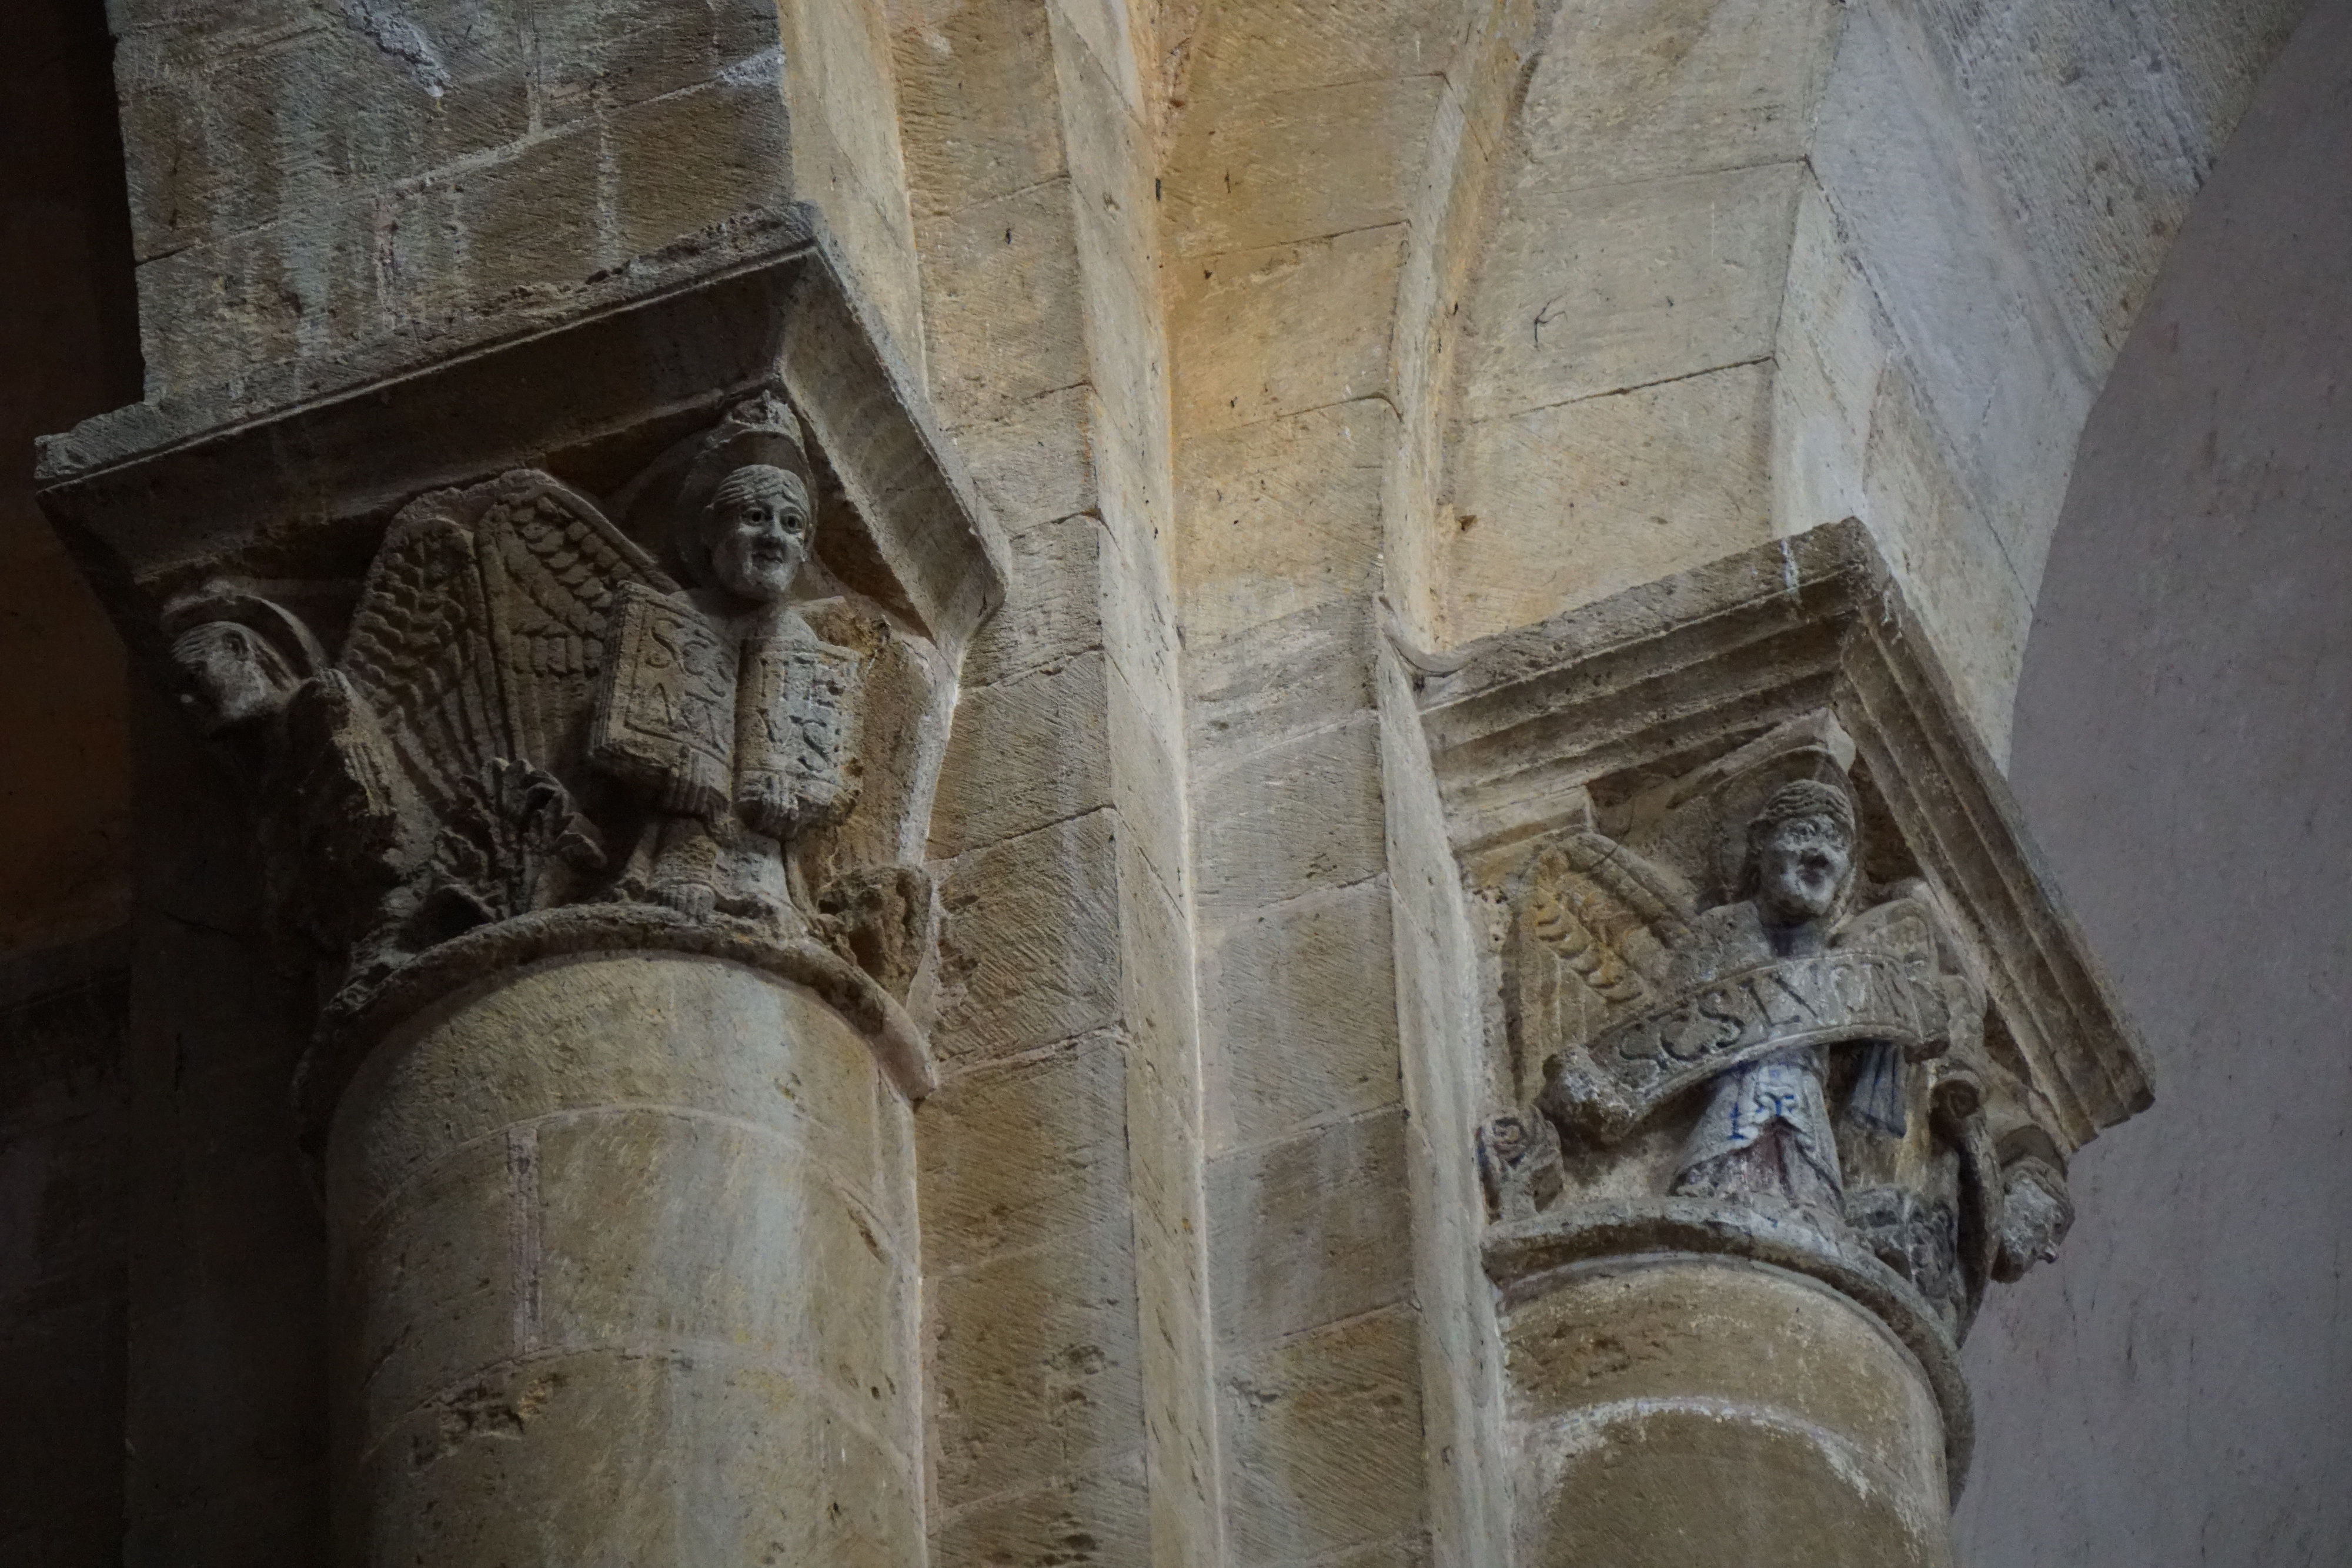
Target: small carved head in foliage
239	657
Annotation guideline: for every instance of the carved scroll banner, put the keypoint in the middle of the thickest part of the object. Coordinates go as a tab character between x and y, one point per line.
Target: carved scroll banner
1841	996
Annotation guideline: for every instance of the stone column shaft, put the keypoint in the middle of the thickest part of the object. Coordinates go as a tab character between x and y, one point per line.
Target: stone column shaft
623	1259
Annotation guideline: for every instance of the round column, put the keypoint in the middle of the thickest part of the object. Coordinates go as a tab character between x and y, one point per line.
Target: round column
624	1251
1725	1407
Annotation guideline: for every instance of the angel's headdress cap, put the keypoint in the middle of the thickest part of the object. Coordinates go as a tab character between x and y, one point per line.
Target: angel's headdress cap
755	481
762	429
1804	798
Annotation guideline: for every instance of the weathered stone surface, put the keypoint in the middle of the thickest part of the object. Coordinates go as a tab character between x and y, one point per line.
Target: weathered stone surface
1099	1517
1038	1366
1223	304
1657	1433
1306	1227
1324	1442
1282	330
1028	941
1045	735
546	1238
1301	1015
1562	505
1601	288
1316	161
1285	838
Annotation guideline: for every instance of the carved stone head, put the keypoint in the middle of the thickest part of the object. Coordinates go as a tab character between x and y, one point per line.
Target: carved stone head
753	535
240	657
1801	846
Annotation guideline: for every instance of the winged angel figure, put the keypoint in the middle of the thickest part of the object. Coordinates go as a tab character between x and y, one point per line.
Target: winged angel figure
1829	1057
1739	1004
519	669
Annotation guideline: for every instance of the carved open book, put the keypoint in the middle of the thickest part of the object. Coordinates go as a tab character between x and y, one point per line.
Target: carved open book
702	721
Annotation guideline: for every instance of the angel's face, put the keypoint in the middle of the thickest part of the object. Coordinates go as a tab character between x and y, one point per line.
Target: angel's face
758	541
1800	866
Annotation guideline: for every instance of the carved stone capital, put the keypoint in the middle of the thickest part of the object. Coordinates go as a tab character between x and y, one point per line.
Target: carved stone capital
643	633
1771	967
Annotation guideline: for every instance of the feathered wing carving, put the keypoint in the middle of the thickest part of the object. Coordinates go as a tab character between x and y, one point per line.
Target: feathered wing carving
1610	914
419	650
553	564
478	641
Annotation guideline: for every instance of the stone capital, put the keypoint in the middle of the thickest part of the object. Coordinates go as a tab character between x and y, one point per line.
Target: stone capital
1774	969
640	633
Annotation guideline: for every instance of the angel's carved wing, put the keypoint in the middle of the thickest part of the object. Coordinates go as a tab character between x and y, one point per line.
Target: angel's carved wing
479	635
478	641
552	565
419	647
1610	915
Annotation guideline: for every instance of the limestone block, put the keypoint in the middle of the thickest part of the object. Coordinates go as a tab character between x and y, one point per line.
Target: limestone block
231	128
1024	754
1279	678
1261	333
1145	765
1028	941
1591	289
1052	602
1323	1449
1167	1152
424	1098
590	59
603	1305
1281	516
727	1461
701	157
1034	464
652	1227
1033	1366
1832	347
1304	815
1570	503
976	114
1117	34
999	275
847	154
1097	1516
1247	52
1996	364
1628	90
1115	186
529	229
444	1306
1301	1015
1322	161
1976	608
2100	130
1013	1156
1304	1230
